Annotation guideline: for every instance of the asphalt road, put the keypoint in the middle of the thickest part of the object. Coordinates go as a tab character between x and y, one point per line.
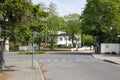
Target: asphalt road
73	66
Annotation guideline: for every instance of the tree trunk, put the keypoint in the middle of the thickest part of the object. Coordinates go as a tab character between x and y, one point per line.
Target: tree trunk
1	56
39	45
51	43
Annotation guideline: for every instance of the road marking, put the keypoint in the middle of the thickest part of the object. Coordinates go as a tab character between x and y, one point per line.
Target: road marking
49	60
77	60
56	60
63	60
42	60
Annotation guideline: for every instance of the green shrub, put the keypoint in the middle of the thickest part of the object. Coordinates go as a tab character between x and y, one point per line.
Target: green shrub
29	52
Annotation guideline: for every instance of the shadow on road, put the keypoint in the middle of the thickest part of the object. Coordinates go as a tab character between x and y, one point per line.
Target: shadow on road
111	62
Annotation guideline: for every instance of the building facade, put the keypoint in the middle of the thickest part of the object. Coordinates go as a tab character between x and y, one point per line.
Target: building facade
64	39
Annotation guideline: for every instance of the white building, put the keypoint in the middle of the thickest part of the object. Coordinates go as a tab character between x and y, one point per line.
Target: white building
110	47
63	39
7	45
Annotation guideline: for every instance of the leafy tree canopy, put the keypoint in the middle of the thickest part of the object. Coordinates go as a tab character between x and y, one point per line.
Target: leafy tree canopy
98	16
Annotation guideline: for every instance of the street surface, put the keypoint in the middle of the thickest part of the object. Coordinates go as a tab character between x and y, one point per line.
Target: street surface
73	66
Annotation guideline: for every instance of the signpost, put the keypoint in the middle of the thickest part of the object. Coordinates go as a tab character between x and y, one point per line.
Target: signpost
33	47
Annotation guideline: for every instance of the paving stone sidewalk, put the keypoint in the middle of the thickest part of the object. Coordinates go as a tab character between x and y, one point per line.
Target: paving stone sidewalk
22	70
115	59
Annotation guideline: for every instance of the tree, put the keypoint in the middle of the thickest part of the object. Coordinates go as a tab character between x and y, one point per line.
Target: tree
20	16
54	24
87	40
97	18
73	26
22	34
52	8
12	13
11	16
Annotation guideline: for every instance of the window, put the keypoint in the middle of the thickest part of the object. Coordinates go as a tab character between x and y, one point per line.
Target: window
61	39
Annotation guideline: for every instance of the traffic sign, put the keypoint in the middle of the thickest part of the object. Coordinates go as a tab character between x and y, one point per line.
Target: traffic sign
34	47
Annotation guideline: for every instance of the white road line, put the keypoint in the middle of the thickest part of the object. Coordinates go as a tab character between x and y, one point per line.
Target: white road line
42	60
63	60
49	60
56	60
77	60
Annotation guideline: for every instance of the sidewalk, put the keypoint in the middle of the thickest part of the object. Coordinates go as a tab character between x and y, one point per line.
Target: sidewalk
112	58
22	70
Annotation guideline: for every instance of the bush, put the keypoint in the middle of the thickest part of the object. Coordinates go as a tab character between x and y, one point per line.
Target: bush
13	47
28	52
62	46
107	52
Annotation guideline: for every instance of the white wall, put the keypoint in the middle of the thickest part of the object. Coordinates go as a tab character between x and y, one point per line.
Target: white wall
64	40
7	45
25	48
110	47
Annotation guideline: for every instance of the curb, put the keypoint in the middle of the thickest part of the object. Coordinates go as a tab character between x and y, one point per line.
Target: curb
109	61
106	60
40	69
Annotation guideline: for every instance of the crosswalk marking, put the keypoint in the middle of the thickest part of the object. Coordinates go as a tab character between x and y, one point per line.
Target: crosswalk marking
42	60
63	60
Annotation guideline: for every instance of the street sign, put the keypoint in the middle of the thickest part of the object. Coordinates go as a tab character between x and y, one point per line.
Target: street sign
34	47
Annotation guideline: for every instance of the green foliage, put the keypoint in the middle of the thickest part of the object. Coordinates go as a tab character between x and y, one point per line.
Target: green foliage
13	47
54	24
97	18
30	53
73	25
12	12
52	8
87	40
18	18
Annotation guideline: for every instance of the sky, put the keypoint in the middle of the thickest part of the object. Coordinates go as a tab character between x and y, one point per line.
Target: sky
65	7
